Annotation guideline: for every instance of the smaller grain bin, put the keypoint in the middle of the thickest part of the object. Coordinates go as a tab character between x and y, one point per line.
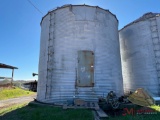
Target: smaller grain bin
140	53
79	54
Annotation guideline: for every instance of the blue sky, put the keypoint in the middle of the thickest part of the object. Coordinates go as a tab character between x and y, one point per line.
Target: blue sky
20	28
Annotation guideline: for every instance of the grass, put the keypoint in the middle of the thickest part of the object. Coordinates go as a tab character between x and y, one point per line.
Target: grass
45	112
156	107
7	93
32	111
11	108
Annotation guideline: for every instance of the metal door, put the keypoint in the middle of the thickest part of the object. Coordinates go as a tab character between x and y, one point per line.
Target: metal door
85	76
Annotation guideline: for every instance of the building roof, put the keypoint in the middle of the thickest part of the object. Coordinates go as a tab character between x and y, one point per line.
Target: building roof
70	5
7	66
146	16
31	82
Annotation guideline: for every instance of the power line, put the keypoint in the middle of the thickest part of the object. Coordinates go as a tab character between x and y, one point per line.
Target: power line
35	7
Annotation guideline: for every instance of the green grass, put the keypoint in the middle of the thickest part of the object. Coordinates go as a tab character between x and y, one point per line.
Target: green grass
13	93
138	117
45	112
156	107
11	108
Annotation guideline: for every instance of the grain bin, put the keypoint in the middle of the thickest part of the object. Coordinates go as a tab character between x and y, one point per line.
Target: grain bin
140	53
79	54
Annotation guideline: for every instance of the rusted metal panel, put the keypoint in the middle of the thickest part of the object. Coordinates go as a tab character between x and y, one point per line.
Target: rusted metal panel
85	76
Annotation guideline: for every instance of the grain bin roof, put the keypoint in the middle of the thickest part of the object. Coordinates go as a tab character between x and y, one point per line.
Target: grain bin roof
143	18
69	5
7	66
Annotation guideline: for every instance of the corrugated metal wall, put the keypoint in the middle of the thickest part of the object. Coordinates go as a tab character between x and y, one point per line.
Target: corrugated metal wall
140	53
70	29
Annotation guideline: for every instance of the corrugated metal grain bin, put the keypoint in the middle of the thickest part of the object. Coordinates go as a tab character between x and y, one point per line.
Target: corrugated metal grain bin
140	53
79	54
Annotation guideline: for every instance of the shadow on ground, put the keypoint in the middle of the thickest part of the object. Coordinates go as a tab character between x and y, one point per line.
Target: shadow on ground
34	111
46	112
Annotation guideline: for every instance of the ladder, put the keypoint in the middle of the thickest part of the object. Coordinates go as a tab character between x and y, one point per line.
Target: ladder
156	45
50	55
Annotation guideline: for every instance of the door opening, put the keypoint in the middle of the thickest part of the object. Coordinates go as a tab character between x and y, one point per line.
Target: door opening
85	76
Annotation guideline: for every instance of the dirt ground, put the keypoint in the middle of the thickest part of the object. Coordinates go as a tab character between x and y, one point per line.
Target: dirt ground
14	101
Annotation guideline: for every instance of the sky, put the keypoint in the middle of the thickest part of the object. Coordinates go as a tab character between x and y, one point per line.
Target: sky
20	28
